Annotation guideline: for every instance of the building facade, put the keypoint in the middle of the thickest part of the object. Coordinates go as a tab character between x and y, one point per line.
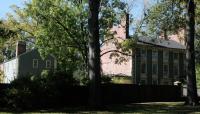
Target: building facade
158	62
26	63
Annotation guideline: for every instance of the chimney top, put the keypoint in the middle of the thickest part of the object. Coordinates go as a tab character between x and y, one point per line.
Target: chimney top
20	48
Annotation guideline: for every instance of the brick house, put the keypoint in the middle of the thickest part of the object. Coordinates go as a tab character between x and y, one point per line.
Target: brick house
153	61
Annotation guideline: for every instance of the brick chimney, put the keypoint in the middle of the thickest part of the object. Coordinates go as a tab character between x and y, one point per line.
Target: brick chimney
20	48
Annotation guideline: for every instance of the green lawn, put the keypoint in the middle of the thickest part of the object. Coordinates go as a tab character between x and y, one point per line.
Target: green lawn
140	108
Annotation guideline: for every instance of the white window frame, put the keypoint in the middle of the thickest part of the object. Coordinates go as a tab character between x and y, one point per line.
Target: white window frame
35	60
48	64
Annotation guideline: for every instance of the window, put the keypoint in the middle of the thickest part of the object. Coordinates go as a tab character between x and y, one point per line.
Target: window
176	69
175	56
143	53
48	64
143	68
35	63
166	55
154	69
166	69
154	54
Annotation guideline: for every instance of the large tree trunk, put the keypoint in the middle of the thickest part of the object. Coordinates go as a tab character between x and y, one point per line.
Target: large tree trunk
94	53
190	55
127	24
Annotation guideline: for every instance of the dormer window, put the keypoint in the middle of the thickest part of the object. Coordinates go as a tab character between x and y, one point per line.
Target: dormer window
48	64
175	56
35	63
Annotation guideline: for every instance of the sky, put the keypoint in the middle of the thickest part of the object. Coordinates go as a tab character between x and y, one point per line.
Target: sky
5	6
137	7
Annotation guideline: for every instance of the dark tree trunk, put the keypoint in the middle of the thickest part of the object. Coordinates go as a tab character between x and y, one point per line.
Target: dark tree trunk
190	55
94	53
165	34
127	24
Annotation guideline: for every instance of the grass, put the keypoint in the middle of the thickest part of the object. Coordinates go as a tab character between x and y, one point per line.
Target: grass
138	108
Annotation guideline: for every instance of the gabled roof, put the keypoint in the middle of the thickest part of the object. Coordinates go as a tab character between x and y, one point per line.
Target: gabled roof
18	56
27	52
160	42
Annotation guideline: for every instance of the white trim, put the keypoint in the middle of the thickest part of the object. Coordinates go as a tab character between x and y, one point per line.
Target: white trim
55	63
48	64
33	64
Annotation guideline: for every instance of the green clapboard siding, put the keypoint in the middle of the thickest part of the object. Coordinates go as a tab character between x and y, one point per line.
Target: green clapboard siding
160	65
171	65
26	63
181	66
149	66
137	65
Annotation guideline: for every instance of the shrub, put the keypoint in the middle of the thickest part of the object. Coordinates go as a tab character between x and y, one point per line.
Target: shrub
122	79
81	76
44	90
105	80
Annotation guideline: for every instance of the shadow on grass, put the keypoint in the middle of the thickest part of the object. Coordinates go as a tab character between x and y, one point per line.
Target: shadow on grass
140	108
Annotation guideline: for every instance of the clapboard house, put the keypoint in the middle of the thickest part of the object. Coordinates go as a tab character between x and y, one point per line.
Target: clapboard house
26	63
158	62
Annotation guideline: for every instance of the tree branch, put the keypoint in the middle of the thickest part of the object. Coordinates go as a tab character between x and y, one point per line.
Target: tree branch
117	51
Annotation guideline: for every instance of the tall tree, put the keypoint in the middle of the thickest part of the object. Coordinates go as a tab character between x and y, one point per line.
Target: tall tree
94	52
190	55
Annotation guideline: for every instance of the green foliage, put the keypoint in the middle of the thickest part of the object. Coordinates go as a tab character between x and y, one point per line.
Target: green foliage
7	41
30	91
198	74
1	76
122	80
165	16
60	27
197	50
81	76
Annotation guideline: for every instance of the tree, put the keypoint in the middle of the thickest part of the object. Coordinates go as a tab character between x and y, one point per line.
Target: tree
60	28
190	55
169	16
7	42
165	17
94	52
